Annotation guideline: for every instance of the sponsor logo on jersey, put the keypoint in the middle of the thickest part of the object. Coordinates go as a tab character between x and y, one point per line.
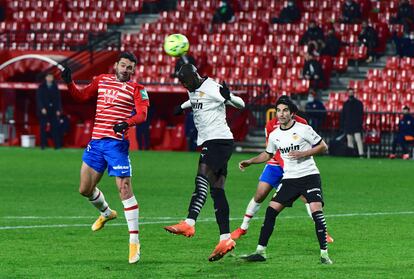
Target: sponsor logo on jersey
288	149
197	105
144	94
110	95
118	167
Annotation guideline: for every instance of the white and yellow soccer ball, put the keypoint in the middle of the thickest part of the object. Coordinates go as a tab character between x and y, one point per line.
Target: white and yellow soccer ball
176	45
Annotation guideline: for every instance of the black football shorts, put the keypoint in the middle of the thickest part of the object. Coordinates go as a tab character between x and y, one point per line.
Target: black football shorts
216	153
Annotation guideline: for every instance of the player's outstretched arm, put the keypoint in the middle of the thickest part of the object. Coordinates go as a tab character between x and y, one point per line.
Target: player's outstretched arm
180	108
230	98
321	147
80	95
261	158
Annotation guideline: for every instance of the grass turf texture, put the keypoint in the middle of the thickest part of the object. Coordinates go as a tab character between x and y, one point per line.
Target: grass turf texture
373	241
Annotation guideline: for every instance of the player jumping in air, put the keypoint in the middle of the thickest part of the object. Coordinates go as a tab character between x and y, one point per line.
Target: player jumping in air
270	178
208	99
297	144
117	97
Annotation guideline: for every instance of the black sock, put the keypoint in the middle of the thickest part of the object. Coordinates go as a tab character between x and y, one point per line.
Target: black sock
199	196
320	228
268	226
221	207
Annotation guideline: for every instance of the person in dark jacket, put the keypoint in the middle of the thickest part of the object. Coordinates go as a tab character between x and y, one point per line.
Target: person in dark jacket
405	13
312	71
369	38
315	110
352	116
289	14
332	44
223	14
351	12
405	134
314	35
49	109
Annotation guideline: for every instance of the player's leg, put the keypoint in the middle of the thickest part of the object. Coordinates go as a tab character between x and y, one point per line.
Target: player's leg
329	238
222	212
131	211
93	167
116	153
313	194
198	199
270	177
266	231
285	197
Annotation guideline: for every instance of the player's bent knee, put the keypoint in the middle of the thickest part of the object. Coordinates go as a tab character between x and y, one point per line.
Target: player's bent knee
84	191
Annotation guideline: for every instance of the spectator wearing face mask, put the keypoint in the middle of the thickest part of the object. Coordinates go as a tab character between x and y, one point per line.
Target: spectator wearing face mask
315	110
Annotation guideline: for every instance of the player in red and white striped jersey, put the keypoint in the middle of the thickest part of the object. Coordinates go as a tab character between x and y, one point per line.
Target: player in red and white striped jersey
270	178
117	98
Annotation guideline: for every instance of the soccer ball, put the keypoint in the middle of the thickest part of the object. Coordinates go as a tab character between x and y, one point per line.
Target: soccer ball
176	45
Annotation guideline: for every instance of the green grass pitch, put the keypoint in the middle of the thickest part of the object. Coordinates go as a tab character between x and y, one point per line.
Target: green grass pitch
45	224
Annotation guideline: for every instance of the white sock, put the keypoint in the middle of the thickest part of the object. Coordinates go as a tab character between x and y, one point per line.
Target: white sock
98	200
224	236
191	222
260	248
324	252
308	210
131	211
251	210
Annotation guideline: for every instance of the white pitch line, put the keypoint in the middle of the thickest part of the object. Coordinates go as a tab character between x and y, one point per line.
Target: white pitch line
163	219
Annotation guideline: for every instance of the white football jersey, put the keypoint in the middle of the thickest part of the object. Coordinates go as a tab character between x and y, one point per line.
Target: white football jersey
209	112
299	137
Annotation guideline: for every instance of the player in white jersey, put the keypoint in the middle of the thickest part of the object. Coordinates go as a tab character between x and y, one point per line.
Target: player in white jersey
208	99
297	144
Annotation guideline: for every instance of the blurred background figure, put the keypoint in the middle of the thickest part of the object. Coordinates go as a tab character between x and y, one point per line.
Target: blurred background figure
405	134
49	109
223	14
352	116
369	38
315	110
351	12
289	14
143	132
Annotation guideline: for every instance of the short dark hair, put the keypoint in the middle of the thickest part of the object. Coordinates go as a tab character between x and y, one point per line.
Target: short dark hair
406	107
128	55
285	100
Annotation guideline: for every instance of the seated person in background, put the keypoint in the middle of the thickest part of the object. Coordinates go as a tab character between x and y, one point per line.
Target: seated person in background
405	13
405	134
314	34
351	12
315	110
223	14
312	71
332	44
289	14
369	38
405	45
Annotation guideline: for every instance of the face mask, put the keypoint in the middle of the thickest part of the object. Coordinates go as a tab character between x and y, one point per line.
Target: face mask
412	37
311	98
290	4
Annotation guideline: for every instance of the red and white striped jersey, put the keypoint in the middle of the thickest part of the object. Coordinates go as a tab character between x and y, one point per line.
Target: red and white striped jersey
270	127
115	103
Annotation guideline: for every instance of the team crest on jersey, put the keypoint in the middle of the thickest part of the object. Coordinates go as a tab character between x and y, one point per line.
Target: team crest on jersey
295	136
144	94
110	95
201	94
